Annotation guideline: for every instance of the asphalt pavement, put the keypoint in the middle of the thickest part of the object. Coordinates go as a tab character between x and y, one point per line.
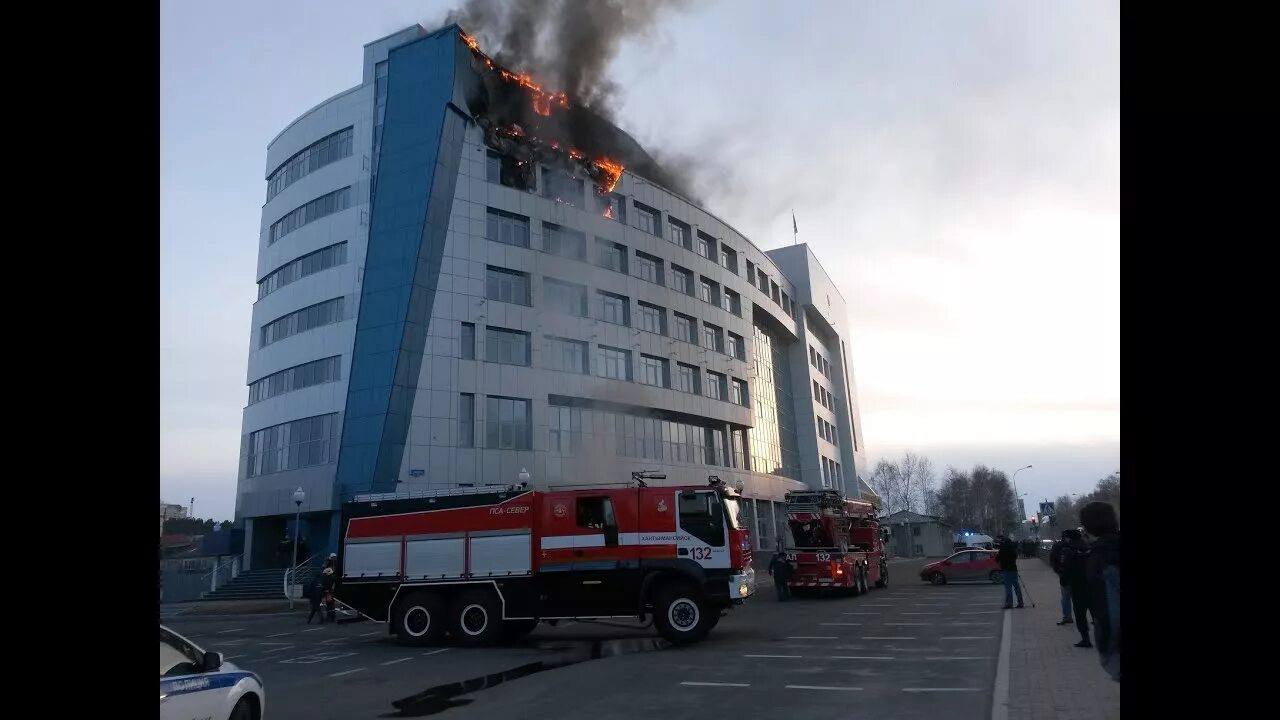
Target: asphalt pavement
910	650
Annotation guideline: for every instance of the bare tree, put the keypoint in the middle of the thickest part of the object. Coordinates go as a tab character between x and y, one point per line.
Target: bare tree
981	499
906	483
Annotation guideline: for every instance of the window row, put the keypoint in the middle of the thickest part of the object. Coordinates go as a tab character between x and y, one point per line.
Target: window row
831	475
556	185
300	321
322	152
297	377
824	398
292	445
514	286
827	432
323	206
819	362
308	264
572	428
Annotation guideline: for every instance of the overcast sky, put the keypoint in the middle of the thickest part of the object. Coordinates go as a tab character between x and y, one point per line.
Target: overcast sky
955	166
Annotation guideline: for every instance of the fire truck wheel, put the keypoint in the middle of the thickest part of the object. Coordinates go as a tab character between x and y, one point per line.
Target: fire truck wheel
477	619
864	578
420	619
516	629
680	614
938	579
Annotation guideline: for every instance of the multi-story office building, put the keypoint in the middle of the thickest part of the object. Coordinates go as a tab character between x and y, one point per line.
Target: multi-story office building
431	314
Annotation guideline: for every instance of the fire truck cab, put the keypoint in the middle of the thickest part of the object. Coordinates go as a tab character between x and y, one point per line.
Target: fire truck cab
487	563
836	543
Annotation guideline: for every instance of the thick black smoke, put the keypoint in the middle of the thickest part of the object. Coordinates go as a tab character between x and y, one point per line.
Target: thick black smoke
566	44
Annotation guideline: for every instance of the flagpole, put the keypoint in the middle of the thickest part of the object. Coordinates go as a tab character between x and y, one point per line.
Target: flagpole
795	229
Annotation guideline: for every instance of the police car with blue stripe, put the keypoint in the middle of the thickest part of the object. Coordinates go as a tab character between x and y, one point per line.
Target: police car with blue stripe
196	684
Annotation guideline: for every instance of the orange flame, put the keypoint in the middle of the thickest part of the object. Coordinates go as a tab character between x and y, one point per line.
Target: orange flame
608	212
612	172
470	41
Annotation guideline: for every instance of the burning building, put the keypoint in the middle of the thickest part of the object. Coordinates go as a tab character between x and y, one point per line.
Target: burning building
466	276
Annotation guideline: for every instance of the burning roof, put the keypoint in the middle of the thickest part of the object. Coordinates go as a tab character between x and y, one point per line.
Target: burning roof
532	125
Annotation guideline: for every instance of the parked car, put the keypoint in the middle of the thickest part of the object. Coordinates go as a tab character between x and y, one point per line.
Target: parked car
199	683
964	565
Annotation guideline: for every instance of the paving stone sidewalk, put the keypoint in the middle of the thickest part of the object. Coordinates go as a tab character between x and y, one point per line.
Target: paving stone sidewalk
1049	678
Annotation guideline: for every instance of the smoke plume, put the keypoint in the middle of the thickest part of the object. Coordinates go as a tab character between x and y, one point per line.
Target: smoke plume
566	44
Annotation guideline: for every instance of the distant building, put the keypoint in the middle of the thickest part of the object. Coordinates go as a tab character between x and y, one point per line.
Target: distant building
169	511
916	535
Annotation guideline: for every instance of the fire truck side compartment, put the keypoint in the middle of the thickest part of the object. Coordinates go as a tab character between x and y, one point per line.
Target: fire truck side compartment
372	557
436	556
501	552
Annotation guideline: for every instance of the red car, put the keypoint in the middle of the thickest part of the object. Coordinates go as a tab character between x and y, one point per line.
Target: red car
963	565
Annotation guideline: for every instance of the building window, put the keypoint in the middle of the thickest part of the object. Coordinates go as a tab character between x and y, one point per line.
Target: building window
739	440
301	267
681	280
751	272
565	425
292	445
613	308
716	386
468	341
730	302
686	328
687	379
647	219
793	308
728	259
566	355
613	363
736	346
813	357
611	255
511	286
565	242
738	392
308	318
493	167
822	430
679	233
506	423
817	392
560	187
764	281
705	246
613	206
708	291
652	318
774	287
565	297
786	304
653	371
466	420
297	377
648	267
712	337
322	206
508	228
510	347
324	151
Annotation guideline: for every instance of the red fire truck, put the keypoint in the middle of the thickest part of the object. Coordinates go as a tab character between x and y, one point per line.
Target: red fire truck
487	563
837	543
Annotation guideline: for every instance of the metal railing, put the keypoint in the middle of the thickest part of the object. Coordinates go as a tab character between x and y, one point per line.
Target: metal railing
224	572
292	574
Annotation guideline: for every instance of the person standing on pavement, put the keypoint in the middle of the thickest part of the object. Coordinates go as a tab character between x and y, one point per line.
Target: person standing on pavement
1007	554
1075	558
328	578
1102	524
315	591
780	569
1055	562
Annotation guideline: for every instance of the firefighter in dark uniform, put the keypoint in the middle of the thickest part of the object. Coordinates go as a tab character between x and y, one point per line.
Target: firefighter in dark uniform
780	569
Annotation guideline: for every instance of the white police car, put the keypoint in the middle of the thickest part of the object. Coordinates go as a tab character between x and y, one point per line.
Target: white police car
200	685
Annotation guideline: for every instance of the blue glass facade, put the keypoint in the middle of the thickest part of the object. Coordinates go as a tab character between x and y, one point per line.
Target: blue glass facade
417	168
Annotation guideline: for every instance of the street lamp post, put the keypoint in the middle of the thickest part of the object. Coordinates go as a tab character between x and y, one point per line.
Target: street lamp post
298	497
